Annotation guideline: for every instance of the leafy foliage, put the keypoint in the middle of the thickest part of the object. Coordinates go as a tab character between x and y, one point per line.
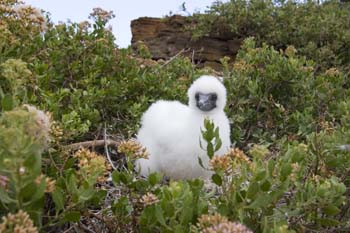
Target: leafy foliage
288	104
318	29
259	106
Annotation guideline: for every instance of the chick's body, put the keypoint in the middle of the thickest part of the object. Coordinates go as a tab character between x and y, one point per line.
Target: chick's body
171	132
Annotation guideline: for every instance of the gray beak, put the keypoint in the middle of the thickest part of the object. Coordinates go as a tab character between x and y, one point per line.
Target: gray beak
206	102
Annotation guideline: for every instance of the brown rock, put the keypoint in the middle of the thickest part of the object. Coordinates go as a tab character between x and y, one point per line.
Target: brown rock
168	36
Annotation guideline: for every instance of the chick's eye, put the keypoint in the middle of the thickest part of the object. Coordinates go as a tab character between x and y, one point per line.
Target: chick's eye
213	97
197	96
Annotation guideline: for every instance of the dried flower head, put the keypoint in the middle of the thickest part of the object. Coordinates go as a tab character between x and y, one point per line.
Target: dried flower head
149	199
259	151
219	224
17	73
28	122
30	15
84	25
4	180
56	132
133	150
295	171
101	15
316	178
209	220
92	165
6	9
7	36
307	69
290	51
303	147
238	155
50	183
327	126
42	124
242	66
295	167
227	227
221	163
143	63
332	72
19	223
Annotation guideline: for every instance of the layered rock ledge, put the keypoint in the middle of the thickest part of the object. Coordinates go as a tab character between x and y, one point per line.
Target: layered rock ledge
167	37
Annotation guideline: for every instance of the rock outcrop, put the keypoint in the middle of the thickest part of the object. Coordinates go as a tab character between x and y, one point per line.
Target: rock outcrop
166	37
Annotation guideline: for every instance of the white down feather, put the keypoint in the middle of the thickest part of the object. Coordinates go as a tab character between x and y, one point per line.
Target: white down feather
171	132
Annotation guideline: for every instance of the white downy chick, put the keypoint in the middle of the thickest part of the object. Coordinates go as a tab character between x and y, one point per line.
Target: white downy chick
171	131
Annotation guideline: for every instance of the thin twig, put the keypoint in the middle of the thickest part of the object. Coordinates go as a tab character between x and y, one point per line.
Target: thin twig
192	58
176	55
85	228
66	231
75	227
106	148
94	143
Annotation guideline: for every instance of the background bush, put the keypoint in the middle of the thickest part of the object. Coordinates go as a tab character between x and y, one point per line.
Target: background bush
318	29
259	106
287	102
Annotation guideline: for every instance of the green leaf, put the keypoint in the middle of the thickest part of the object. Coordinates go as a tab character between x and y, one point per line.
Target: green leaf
155	178
206	123
40	191
7	103
122	206
86	194
216	133
121	177
116	177
327	222
218	144
331	210
210	150
261	175
187	210
271	167
200	142
159	215
125	178
217	179
262	201
72	216
286	170
34	162
253	189
200	161
265	186
99	197
58	199
5	198
72	183
70	163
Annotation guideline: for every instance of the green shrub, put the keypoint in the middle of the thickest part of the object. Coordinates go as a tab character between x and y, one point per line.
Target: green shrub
272	94
177	208
318	29
289	107
23	137
299	187
75	71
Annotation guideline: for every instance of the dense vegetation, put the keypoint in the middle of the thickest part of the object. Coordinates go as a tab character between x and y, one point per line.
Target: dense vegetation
320	31
288	102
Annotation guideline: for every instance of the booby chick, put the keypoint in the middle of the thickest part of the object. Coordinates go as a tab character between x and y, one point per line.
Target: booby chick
171	131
